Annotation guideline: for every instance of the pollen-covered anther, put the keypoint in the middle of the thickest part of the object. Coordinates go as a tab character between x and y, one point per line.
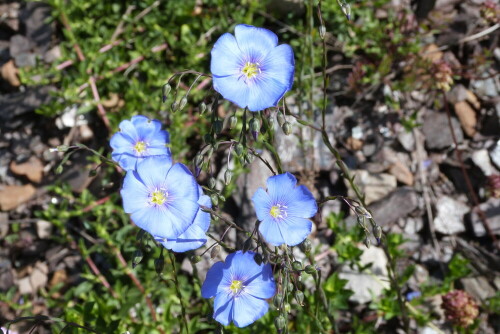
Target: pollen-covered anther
278	211
158	197
236	286
140	147
250	70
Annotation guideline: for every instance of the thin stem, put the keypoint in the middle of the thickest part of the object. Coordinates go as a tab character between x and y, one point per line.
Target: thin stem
178	292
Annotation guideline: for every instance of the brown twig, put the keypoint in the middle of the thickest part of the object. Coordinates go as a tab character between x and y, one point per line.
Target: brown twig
100	108
468	182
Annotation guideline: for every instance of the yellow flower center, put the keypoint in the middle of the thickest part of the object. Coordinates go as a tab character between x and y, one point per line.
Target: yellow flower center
278	211
140	147
236	286
250	69
275	211
158	197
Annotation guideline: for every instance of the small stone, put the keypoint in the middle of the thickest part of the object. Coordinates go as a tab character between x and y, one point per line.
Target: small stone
457	94
32	169
24	285
374	186
482	160
19	45
450	214
27	59
495	154
4	224
399	204
485	87
467	117
13	196
10	73
44	229
402	173
86	132
478	287
437	130
52	55
491	209
407	140
38	277
364	285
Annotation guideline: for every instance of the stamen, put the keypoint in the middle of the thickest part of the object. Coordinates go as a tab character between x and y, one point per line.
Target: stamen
250	70
158	197
278	211
140	147
236	286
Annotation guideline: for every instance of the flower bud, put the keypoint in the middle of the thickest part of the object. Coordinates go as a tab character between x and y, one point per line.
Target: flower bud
322	31
367	242
278	298
289	287
280	323
198	160
159	265
249	158
255	127
310	269
377	233
239	149
305	246
62	148
287	307
297	266
233	120
287	128
137	258
258	258
174	106
215	251
92	173
280	118
228	175
166	90
218	126
202	107
360	210
215	199
183	103
221	198
211	183
207	138
195	259
299	297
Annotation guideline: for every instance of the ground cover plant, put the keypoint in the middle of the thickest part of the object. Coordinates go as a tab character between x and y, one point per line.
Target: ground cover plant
253	166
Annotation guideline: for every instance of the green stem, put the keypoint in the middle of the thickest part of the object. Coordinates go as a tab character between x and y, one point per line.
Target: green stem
178	292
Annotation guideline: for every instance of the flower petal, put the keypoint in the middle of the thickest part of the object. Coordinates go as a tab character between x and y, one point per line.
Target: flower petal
129	129
125	160
279	65
280	186
262	203
181	183
264	92
135	195
153	170
243	266
223	308
247	309
271	232
263	284
301	203
232	88
295	230
157	221
194	237
121	142
226	57
255	42
215	281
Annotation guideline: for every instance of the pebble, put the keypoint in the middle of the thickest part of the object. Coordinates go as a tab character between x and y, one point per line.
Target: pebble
450	214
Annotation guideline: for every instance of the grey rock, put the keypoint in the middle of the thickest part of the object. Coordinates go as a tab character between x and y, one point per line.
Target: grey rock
38	277
407	140
6	276
478	287
52	55
413	225
437	130
16	104
486	87
24	285
4	224
19	45
34	16
482	160
491	209
398	204
457	94
44	229
450	213
25	59
364	285
495	154
374	186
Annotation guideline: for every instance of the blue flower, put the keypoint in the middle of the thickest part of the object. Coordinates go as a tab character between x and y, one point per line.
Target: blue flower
250	69
194	237
137	139
240	287
284	210
161	197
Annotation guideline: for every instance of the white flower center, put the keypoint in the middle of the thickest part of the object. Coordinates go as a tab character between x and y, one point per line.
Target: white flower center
278	211
250	70
158	197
